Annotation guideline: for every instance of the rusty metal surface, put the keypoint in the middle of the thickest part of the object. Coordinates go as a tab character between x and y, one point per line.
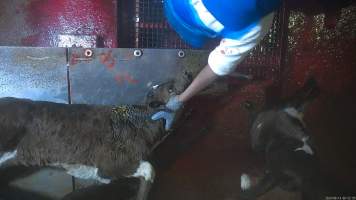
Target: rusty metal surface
35	73
116	76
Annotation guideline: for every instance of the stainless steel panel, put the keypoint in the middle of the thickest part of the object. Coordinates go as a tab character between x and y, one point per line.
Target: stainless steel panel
117	76
34	73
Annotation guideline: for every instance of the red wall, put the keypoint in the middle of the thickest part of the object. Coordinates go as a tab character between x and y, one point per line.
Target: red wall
327	53
323	46
90	18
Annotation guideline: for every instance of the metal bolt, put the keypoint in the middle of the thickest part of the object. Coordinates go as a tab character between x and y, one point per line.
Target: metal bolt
181	54
88	53
137	53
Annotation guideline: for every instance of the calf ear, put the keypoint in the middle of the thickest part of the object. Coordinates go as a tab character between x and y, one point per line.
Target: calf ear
305	95
151	94
157	92
312	88
182	81
189	76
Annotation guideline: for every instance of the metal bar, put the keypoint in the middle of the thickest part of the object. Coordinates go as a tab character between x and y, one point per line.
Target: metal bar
68	80
137	23
284	41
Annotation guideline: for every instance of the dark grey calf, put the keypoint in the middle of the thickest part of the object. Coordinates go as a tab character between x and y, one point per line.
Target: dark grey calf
280	133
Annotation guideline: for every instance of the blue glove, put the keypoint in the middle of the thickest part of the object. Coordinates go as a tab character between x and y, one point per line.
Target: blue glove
168	115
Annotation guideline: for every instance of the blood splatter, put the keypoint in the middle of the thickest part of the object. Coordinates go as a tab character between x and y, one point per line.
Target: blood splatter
50	18
108	60
125	77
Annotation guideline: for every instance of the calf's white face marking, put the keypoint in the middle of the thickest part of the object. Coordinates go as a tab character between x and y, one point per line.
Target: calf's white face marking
294	113
245	182
306	148
298	115
145	170
7	156
82	172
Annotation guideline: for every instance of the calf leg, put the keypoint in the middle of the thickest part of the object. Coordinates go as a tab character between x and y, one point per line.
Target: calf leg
6	157
144	188
146	174
263	186
82	171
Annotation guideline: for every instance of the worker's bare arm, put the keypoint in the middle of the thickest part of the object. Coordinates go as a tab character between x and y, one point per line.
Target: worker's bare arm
204	79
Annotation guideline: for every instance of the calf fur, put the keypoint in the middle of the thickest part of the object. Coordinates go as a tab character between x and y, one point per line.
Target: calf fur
88	141
281	134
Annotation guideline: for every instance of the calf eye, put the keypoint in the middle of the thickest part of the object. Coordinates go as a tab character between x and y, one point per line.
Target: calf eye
171	89
156	104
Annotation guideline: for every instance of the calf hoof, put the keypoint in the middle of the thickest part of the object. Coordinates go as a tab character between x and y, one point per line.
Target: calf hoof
245	182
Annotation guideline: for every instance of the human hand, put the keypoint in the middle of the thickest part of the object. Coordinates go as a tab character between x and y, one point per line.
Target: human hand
168	115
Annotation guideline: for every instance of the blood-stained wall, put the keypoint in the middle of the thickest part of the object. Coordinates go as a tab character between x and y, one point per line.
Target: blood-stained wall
53	23
328	53
323	45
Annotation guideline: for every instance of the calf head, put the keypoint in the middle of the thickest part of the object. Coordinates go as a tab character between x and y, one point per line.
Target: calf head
160	94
